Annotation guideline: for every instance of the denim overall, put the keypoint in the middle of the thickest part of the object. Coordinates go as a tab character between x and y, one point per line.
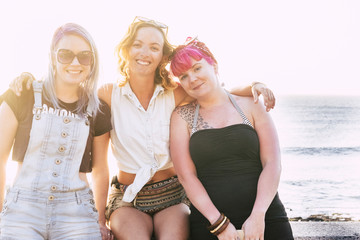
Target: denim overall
48	200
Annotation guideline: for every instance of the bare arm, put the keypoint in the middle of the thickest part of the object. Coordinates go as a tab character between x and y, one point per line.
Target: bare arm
16	85
100	177
181	97
8	128
105	92
186	171
255	90
270	175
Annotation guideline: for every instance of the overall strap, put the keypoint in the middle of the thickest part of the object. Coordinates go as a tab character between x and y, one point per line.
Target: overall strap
246	121
193	130
37	86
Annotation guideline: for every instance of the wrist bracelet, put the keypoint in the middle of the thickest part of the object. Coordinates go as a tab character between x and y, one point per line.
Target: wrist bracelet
223	227
217	222
220	225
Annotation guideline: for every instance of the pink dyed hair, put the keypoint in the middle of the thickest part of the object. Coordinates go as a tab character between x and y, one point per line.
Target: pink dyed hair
182	55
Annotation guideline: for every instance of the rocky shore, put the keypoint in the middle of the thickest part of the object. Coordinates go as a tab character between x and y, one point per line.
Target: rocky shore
335	217
325	227
326	230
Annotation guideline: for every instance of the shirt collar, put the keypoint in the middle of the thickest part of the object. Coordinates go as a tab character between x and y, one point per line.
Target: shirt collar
128	91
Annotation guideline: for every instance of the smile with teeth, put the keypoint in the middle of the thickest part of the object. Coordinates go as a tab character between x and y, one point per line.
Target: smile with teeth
74	71
142	62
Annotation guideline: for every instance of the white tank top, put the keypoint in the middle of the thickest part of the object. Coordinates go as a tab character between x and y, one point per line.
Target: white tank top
140	138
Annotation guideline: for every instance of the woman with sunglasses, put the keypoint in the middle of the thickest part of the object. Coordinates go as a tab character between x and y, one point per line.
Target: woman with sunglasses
229	165
56	130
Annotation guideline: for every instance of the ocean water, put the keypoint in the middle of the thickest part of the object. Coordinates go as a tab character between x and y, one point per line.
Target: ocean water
320	146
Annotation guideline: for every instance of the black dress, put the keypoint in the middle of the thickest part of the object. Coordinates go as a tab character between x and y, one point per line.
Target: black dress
228	164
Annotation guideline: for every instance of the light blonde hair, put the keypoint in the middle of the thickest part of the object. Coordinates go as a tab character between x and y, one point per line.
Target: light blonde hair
88	89
162	75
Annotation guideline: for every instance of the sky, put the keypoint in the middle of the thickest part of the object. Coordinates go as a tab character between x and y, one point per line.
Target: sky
295	47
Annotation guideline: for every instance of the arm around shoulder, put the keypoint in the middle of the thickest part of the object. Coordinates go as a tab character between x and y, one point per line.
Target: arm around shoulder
181	97
255	90
105	92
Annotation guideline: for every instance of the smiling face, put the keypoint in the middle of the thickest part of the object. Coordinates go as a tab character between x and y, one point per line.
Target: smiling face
146	52
72	73
199	79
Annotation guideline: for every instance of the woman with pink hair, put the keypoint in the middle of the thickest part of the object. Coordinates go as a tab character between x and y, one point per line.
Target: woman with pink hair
226	154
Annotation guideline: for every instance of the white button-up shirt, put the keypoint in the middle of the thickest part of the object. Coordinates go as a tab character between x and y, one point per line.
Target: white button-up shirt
140	138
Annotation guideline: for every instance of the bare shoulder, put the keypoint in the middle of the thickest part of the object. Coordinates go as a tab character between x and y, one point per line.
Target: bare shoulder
253	111
186	112
244	102
105	92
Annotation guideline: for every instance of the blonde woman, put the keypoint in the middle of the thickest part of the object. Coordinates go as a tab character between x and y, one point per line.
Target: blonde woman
55	129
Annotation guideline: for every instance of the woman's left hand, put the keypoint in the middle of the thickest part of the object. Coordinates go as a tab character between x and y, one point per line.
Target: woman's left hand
254	227
106	233
259	88
229	233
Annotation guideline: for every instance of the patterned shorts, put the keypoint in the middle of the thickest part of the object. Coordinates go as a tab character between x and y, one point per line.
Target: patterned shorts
151	199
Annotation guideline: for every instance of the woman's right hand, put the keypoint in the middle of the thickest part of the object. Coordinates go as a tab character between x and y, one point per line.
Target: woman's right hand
229	233
17	83
106	233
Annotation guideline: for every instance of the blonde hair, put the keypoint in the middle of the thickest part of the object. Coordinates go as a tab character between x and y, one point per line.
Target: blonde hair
88	90
162	75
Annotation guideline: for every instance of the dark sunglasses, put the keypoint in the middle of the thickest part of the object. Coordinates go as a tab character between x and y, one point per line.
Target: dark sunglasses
66	56
153	22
